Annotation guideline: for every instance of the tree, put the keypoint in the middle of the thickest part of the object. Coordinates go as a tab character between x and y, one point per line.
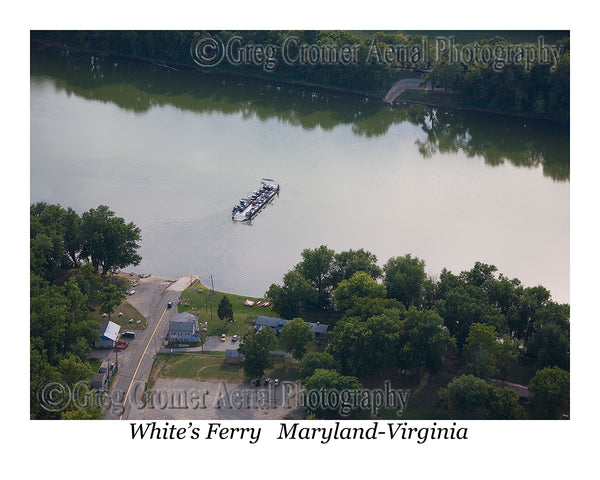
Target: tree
508	355
296	292
470	398
423	340
323	381
316	267
296	335
89	282
463	305
359	286
225	309
111	297
549	339
71	223
551	393
481	350
504	293
313	360
481	275
256	350
347	263
404	278
363	347
61	333
530	302
370	307
108	241
46	239
73	369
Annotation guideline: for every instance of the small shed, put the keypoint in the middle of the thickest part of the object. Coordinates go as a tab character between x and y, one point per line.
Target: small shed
98	380
108	331
233	356
103	367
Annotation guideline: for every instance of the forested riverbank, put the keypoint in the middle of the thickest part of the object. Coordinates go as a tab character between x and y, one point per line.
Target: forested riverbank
357	62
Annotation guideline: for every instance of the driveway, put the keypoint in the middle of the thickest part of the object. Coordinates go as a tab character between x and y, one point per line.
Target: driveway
214	344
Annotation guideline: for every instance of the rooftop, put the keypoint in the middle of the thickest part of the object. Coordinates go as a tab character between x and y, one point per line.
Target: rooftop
109	330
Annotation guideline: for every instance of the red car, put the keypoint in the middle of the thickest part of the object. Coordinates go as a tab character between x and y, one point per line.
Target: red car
121	344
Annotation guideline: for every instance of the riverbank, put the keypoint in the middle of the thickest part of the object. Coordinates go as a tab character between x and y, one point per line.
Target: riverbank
450	100
178	66
403	91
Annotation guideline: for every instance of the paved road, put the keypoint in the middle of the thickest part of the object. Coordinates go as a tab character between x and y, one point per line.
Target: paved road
151	298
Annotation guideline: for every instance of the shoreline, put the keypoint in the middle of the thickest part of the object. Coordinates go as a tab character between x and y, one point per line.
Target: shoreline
170	64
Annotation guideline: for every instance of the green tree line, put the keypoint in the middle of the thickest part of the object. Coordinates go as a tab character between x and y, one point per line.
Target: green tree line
538	91
68	253
396	317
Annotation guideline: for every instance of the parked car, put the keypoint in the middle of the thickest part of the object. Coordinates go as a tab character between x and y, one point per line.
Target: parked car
234	338
223	337
128	334
267	380
131	292
121	344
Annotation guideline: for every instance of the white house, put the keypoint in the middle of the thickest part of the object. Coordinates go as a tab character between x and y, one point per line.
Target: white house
184	328
109	331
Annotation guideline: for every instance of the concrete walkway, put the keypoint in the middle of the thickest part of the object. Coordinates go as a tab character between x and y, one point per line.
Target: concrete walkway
182	283
402	85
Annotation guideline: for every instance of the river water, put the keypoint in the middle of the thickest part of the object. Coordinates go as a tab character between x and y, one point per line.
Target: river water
173	151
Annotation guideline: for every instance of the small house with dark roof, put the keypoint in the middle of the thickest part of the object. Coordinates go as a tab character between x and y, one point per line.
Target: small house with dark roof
108	331
522	391
233	356
320	331
183	327
272	322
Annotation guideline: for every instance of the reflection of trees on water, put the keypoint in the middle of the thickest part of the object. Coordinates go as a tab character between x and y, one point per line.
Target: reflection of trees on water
522	142
138	87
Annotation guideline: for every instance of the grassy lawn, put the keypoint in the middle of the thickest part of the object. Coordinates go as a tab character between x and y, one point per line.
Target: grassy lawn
212	366
199	300
124	315
200	367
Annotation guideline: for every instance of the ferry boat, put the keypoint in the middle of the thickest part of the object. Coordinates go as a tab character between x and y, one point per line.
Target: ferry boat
248	207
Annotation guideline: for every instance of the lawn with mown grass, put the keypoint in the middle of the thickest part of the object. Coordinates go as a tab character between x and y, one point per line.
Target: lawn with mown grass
201	301
200	367
125	315
213	367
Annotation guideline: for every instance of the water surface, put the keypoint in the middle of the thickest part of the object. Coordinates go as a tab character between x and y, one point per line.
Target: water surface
174	151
